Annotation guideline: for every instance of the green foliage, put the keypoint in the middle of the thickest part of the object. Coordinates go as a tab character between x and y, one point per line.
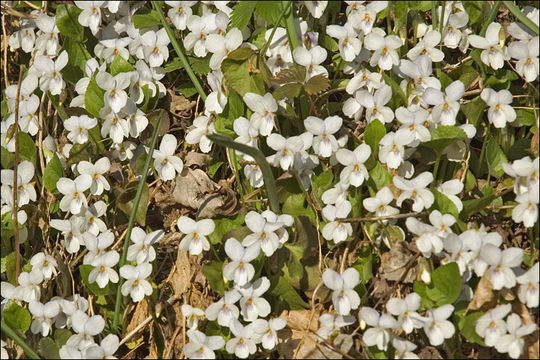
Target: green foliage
17	317
93	98
48	348
495	158
53	172
473	206
375	131
223	226
474	110
364	264
322	182
288	295
78	55
243	76
143	20
269	11
27	147
467	326
316	84
126	198
445	205
68	23
241	14
443	136
444	288
120	65
297	205
214	275
379	177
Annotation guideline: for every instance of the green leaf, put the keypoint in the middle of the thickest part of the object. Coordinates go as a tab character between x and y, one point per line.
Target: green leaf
214	168
9	260
316	84
328	43
125	201
242	53
67	21
224	125
474	110
401	9
241	14
445	284
443	136
27	148
187	89
396	90
322	182
143	20
120	65
214	275
297	205
93	99
78	55
467	327
444	204
53	172
7	158
295	74
380	176
495	158
243	77
269	11
61	336
364	264
286	292
48	348
223	226
174	64
235	106
524	117
465	73
375	131
520	149
420	5
290	91
421	289
471	207
201	66
94	287
17	317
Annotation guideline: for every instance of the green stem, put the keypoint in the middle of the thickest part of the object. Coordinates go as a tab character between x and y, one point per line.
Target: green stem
6	329
492	14
259	157
521	16
436	169
131	223
276	25
441	25
434	19
291	29
482	151
176	45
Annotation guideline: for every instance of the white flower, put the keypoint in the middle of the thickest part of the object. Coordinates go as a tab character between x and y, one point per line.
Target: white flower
73	191
527	56
242	345
166	163
403	349
324	142
196	231
46	264
179	12
500	272
364	17
47	41
202	346
344	297
379	203
413	125
336	194
4	353
220	46
330	324
349	44
419	71
450	189
145	75
491	325
247	133
385	55
94	224
426	46
50	78
336	230
25	174
155	47
442	223
112	48
196	39
354	172
142	249
500	112
103	271
73	232
286	150
264	109
526	173
493	54
405	310
24	37
123	151
527	210
513	342
427	240
29	288
264	232
115	96
225	309
197	133
96	245
136	285
96	171
266	331
85	328
91	14
316	8
375	104
528	287
415	189
78	127
380	332
105	350
311	59
392	149
436	327
253	173
43	315
193	315
252	304
446	104
239	269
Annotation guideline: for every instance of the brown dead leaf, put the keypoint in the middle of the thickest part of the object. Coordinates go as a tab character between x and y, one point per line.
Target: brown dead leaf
178	104
484	297
534	144
298	339
395	262
197	159
140	313
429	352
531	341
